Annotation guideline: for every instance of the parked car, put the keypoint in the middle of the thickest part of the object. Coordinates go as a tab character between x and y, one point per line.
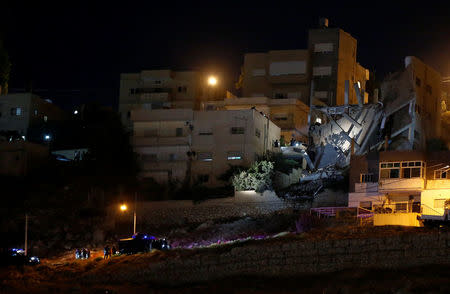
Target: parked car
141	242
16	256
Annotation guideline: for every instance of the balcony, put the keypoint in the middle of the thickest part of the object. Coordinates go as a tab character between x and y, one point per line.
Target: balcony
154	97
401	184
160	141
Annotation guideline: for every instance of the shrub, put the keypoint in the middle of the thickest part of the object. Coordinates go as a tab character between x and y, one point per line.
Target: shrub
258	177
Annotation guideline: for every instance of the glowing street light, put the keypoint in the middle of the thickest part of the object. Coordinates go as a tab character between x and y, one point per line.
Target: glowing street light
212	81
123	207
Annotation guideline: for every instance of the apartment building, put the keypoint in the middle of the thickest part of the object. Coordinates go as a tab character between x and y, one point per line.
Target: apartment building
333	61
290	114
177	143
22	112
164	89
400	187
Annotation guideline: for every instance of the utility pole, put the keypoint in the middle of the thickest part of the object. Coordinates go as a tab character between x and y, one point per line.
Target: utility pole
26	234
134	214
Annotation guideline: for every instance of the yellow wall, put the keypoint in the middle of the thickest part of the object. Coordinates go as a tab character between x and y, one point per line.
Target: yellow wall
396	219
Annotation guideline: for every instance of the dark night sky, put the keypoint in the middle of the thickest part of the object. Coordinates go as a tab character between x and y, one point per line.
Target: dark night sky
77	51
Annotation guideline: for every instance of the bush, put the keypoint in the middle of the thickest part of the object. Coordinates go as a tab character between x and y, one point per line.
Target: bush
258	177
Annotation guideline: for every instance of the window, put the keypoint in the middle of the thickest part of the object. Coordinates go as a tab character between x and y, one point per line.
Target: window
203	178
322	71
210	107
280	117
287	68
45	118
149	157
441	174
323	47
418	82
204	156
179	132
17	111
367	178
150	132
132	91
237	130
258	72
157	82
172	157
428	89
257	133
439	203
205	132
321	94
405	169
234	155
280	96
35	112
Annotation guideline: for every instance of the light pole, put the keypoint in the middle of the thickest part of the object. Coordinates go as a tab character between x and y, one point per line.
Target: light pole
212	83
123	207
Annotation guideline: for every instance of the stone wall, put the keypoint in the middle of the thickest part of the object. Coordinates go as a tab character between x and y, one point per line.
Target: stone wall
173	212
280	258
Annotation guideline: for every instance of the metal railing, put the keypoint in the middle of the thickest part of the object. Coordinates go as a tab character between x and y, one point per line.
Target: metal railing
400	207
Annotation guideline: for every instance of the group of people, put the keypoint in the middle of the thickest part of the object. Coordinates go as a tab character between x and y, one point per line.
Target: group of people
108	252
82	253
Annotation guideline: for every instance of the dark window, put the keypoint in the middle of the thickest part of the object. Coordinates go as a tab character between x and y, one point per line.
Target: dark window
280	96
415	172
394	173
237	130
407	173
179	89
257	133
428	89
149	157
367	178
179	132
157	82
203	178
366	205
401	206
418	82
172	157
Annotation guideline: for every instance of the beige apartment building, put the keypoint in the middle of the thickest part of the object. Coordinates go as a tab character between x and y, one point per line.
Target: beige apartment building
164	89
175	143
290	114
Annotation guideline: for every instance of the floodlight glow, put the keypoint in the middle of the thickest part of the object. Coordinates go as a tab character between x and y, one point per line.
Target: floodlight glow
212	81
75	112
123	207
318	120
47	137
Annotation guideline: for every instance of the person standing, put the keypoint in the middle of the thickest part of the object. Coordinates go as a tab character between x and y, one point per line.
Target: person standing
106	252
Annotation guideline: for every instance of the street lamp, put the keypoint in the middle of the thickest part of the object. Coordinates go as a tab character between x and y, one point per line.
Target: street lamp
123	207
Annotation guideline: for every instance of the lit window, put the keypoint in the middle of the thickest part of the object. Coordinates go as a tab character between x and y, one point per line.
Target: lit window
17	111
45	118
35	112
234	155
205	156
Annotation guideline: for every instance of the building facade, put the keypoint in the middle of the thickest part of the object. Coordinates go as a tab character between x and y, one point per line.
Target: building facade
400	187
290	114
164	89
178	144
23	111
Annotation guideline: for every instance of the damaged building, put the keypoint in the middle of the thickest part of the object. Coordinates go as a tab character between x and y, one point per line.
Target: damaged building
405	118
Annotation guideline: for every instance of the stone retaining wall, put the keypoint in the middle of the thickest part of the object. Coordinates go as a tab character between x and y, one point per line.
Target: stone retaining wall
283	258
173	212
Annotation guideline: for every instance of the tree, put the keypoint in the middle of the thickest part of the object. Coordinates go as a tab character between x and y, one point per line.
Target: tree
5	69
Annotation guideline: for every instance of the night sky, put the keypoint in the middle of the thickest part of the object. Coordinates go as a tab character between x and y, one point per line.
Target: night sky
74	52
